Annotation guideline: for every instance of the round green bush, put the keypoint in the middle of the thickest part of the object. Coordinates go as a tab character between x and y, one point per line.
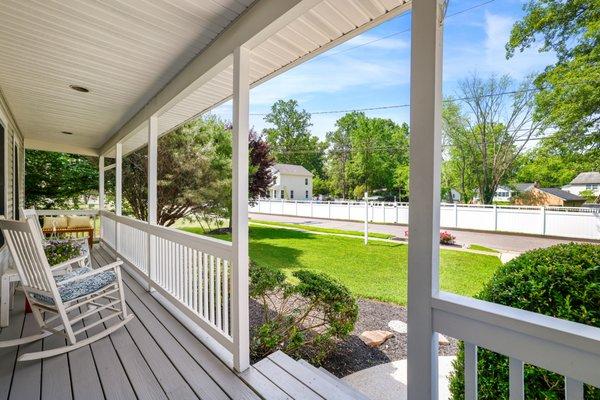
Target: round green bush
561	281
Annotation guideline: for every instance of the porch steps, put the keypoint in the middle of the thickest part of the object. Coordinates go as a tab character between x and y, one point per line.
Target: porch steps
301	380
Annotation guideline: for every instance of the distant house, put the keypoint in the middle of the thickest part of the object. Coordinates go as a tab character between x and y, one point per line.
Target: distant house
584	181
291	182
537	196
502	194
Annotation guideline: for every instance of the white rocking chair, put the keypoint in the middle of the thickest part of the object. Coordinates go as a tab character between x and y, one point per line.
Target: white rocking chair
56	301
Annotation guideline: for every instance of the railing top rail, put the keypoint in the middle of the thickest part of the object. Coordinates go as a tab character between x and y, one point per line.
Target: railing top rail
213	246
48	213
579	336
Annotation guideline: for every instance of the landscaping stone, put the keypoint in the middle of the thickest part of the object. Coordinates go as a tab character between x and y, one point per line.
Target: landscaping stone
398	326
375	338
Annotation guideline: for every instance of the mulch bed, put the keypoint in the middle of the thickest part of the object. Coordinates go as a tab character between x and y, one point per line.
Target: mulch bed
352	355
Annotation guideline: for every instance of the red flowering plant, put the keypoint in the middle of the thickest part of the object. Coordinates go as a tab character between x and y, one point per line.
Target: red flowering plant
445	237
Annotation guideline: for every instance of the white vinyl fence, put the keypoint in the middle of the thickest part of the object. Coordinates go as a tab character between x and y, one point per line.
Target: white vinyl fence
569	222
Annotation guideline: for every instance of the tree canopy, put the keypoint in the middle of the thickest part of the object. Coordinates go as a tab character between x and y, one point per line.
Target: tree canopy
194	172
487	132
568	97
290	138
59	180
365	154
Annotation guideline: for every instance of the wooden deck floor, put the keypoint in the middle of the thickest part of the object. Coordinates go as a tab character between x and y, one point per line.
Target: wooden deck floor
153	357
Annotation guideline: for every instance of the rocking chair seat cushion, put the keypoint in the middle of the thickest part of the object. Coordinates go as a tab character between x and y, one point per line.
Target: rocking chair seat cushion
79	288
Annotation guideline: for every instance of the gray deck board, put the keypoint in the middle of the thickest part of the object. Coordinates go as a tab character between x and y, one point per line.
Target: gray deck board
8	355
27	375
56	377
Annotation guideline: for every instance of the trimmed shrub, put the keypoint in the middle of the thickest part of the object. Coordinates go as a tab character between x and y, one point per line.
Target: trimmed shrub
561	281
446	238
303	319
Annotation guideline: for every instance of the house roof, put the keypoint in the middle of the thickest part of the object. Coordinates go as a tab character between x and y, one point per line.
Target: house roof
562	194
523	187
292	169
586	177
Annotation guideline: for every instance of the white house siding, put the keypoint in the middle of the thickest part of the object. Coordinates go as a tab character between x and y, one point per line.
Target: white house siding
289	183
12	136
578	188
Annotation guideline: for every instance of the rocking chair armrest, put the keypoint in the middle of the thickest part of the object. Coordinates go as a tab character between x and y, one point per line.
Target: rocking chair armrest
67	263
115	266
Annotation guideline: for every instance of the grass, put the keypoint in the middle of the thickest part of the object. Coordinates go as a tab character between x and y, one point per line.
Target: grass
482	248
323	230
377	271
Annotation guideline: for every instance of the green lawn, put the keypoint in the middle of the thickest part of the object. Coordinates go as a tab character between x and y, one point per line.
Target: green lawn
377	271
483	248
323	230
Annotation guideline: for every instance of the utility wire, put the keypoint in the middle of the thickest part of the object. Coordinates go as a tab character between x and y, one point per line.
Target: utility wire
397	33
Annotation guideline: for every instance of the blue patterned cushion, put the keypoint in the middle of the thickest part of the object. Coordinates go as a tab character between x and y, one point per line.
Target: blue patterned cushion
78	288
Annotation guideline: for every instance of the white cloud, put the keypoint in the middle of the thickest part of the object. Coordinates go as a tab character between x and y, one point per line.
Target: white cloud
489	55
330	75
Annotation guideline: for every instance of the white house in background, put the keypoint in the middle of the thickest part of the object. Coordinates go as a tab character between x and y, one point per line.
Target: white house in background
584	181
291	182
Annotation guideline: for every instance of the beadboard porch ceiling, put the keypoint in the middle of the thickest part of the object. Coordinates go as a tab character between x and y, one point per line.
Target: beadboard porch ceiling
134	55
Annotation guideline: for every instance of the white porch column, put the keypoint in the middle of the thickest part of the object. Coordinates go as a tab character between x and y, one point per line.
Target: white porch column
239	218
100	194
424	211
101	183
118	192
119	179
152	194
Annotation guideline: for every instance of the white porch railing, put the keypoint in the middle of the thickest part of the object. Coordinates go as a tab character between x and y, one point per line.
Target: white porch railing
571	222
566	348
194	273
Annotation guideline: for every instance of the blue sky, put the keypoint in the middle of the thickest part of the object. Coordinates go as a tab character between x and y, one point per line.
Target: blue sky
377	74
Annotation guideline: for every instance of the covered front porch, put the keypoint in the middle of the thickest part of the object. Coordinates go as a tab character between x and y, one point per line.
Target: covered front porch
190	293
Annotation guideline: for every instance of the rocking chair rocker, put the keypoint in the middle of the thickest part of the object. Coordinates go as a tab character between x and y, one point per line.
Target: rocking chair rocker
56	301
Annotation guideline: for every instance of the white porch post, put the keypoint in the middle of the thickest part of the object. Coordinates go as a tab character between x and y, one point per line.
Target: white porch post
424	211
101	183
239	218
152	194
100	193
118	190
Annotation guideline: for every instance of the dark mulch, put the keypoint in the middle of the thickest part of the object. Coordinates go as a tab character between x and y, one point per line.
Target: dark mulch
352	355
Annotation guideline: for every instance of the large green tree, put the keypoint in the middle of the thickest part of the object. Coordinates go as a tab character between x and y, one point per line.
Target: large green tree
194	172
493	127
290	138
59	180
568	97
368	154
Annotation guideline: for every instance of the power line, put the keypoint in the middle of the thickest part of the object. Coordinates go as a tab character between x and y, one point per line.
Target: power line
396	33
392	106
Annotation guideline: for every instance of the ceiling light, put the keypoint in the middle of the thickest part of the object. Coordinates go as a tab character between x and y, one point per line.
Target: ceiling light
79	88
67	132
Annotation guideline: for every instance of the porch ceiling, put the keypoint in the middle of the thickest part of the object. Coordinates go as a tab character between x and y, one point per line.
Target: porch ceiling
130	53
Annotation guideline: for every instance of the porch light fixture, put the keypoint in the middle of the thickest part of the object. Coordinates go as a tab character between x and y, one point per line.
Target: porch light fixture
79	88
66	132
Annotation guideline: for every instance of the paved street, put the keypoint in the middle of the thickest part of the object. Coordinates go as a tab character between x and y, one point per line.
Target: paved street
499	241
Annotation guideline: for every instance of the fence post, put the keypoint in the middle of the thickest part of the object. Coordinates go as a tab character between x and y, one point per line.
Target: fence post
495	217
366	217
349	211
311	208
396	212
329	209
270	210
296	205
455	215
543	212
